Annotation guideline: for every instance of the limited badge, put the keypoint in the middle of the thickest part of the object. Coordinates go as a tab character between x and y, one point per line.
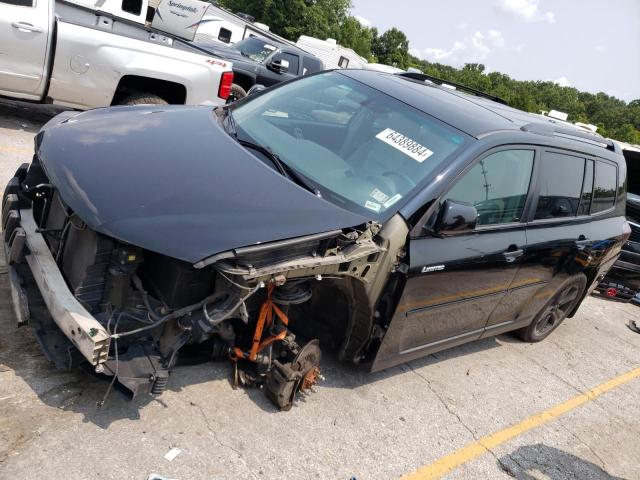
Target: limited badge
433	268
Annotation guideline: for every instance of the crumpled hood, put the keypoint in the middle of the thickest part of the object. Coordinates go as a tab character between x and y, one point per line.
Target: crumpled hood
171	180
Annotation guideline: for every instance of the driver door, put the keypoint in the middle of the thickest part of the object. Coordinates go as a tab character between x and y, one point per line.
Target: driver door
24	33
456	281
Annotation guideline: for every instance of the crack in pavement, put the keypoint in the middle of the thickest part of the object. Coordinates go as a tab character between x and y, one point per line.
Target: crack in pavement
220	442
546	369
595	401
453	413
575	435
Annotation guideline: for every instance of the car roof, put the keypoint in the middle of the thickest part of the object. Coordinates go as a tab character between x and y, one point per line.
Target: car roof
472	114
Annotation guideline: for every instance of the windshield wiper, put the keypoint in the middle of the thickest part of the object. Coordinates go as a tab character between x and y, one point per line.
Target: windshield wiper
284	169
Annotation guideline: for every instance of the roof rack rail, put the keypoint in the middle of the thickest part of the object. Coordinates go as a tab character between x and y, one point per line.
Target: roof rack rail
551	130
424	77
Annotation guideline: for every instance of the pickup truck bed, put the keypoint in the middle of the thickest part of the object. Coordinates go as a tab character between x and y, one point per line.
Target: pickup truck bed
81	58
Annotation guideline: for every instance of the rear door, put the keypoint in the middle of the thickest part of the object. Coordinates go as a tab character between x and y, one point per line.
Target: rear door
454	283
24	39
559	234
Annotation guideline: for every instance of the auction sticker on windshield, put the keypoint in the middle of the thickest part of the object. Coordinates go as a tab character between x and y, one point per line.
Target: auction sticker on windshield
406	145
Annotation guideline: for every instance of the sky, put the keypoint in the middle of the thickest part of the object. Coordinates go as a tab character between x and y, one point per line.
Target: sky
593	45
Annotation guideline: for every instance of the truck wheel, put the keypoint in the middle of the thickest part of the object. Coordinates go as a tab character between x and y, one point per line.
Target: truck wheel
556	310
238	92
142	99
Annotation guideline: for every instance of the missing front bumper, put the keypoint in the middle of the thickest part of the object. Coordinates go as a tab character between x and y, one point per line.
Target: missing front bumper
24	244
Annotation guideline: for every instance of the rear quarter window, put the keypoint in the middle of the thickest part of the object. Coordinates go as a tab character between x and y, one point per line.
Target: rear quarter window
604	187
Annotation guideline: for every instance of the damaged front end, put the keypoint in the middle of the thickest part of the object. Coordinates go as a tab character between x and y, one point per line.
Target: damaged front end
130	311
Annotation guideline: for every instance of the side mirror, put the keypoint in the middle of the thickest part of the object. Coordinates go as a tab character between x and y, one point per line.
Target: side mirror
279	66
255	89
455	218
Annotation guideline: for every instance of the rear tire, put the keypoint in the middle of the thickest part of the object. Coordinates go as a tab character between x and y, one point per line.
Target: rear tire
238	92
142	99
555	310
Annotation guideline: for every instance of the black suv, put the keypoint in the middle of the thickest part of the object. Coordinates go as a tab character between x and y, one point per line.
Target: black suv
259	61
378	216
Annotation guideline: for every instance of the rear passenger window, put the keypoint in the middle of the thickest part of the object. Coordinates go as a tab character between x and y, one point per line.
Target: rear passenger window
604	188
497	186
561	179
310	65
587	189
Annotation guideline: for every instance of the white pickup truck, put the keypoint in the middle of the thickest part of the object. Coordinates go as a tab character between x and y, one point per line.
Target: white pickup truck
62	53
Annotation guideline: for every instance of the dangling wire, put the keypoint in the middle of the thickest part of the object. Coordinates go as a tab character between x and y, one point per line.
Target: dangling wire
115	374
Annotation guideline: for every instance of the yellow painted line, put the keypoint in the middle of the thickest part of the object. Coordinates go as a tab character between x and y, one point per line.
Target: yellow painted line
474	450
16	149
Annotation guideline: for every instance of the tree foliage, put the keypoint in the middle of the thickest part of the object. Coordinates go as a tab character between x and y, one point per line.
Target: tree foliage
331	19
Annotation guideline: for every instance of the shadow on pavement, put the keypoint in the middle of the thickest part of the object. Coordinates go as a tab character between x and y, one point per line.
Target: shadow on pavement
28	117
533	462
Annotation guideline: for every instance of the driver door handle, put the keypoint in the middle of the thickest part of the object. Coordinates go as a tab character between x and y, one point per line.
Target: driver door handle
26	27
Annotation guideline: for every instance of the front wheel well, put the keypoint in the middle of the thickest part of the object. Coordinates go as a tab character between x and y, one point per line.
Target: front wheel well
172	92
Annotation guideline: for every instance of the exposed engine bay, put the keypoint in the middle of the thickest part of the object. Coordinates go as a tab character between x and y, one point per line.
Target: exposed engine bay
270	308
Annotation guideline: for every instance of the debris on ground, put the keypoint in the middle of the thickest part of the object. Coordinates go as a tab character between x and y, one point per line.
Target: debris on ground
172	454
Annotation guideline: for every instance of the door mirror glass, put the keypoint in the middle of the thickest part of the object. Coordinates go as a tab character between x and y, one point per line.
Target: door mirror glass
279	65
455	218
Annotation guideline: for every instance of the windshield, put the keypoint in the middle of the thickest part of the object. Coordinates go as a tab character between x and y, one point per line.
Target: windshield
362	148
255	48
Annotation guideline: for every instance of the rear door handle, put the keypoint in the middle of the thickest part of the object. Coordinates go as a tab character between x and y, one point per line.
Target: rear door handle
512	255
26	27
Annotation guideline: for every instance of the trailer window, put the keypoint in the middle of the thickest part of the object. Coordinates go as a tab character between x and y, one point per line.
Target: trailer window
343	62
224	35
133	7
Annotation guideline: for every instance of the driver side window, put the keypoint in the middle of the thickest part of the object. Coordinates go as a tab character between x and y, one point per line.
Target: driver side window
497	186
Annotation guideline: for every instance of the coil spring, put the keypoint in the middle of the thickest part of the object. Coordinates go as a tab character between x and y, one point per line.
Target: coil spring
160	385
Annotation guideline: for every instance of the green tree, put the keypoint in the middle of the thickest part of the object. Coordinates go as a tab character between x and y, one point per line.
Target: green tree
354	35
292	18
391	48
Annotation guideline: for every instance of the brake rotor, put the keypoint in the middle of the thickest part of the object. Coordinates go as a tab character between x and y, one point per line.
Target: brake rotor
285	380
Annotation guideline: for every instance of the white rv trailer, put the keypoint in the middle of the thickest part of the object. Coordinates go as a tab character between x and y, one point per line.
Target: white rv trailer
332	54
220	25
217	24
380	67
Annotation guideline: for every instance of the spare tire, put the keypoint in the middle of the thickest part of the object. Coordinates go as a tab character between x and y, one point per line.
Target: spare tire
237	92
142	99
